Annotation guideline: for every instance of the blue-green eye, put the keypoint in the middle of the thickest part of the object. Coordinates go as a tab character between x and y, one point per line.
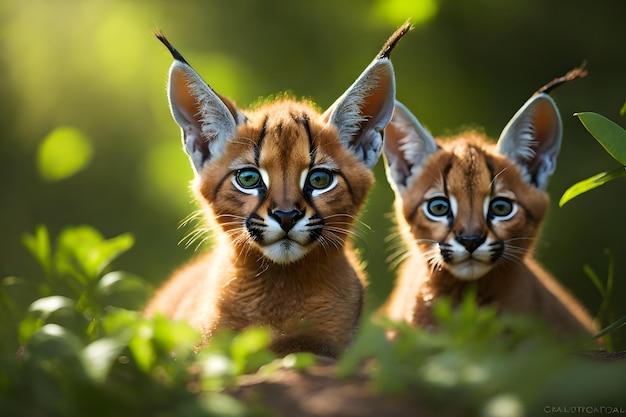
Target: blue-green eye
320	179
248	178
438	207
501	207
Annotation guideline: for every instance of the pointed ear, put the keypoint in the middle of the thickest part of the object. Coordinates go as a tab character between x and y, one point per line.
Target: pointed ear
407	146
532	139
362	112
207	120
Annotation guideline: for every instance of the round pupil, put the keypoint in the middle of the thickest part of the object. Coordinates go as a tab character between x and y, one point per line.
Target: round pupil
438	207
248	178
501	207
320	179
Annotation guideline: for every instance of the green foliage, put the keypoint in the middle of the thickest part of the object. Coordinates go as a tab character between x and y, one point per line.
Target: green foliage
613	139
75	344
84	349
490	365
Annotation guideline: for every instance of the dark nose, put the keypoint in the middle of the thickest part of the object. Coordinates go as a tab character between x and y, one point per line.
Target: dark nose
471	243
286	218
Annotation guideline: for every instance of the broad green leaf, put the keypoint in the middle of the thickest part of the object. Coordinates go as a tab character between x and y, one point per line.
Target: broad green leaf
38	245
174	336
47	306
54	309
611	136
589	184
99	356
125	290
142	348
249	349
83	252
63	153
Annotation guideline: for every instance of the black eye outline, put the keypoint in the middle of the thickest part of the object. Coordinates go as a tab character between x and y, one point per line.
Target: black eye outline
249	172
443	209
501	202
329	175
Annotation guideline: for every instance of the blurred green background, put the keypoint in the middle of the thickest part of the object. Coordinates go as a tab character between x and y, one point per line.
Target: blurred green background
83	82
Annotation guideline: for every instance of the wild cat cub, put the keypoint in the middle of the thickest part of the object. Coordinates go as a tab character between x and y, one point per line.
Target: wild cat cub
470	212
281	186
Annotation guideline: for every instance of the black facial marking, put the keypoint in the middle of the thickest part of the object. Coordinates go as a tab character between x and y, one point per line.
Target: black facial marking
316	223
446	252
497	249
255	226
221	183
259	143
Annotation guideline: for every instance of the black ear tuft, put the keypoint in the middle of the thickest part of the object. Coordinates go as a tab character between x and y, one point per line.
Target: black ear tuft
175	54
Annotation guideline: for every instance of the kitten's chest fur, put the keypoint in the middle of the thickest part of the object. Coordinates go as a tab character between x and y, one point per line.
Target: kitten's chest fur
303	304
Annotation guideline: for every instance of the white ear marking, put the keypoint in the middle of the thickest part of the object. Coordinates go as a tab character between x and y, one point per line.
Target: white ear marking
407	146
362	112
532	139
207	120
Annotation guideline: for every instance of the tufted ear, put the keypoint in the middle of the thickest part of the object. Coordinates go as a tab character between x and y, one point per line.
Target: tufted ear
207	120
407	146
532	139
362	112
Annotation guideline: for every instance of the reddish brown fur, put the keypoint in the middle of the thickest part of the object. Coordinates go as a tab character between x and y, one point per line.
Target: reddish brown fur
312	304
517	284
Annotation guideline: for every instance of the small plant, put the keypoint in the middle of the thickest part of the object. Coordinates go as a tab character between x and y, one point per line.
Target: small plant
612	137
75	344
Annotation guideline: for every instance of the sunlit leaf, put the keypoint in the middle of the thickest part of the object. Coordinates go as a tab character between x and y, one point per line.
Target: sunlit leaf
38	245
589	184
170	335
611	136
249	349
55	309
83	252
49	305
54	342
125	290
142	348
63	153
622	111
99	356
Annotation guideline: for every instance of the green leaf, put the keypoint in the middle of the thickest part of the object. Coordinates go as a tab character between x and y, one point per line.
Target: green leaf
125	290
39	246
589	184
622	111
611	136
612	327
63	153
48	306
142	348
593	277
249	349
99	356
83	252
55	309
